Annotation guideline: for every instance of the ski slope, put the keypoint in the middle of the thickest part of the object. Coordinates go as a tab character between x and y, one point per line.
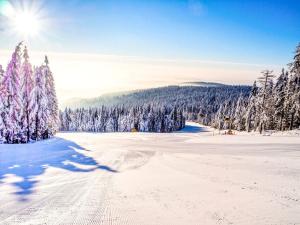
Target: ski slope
190	177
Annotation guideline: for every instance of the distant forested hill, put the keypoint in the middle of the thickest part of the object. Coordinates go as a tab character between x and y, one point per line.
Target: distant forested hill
181	95
198	103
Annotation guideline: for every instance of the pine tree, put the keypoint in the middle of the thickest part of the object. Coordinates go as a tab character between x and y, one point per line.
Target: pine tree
52	105
3	116
280	98
11	85
219	118
39	105
264	94
251	110
294	89
2	108
270	107
27	86
239	114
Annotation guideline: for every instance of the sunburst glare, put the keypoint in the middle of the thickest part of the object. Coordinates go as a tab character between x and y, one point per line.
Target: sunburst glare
26	23
23	20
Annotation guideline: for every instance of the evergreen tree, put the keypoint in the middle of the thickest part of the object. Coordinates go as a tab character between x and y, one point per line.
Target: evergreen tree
270	107
26	89
2	108
52	105
251	110
294	90
3	117
12	98
280	98
239	114
263	97
39	105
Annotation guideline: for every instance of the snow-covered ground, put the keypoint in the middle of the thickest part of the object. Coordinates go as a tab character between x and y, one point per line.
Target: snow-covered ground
190	177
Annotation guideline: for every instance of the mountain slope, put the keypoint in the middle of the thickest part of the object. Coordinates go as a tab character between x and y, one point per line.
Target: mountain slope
162	95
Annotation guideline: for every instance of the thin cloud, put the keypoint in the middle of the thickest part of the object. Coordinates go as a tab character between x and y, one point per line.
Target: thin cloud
142	59
90	75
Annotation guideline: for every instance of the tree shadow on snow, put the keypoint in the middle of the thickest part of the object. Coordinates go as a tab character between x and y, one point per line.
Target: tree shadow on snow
31	160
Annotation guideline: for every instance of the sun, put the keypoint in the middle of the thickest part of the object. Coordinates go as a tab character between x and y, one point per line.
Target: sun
26	24
24	20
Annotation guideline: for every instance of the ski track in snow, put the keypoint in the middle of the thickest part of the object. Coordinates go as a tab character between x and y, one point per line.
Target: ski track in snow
188	177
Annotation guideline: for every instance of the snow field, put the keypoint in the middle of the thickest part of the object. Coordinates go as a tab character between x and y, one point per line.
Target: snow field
188	177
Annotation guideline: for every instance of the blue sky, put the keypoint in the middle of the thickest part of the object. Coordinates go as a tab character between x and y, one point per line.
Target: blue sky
236	31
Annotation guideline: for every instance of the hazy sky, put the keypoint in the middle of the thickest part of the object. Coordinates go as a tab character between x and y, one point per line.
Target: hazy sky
114	45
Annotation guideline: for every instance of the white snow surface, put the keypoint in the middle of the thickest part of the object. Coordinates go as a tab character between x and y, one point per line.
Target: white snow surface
190	177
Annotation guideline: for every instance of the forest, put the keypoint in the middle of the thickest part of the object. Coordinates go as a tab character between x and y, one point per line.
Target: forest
146	118
194	103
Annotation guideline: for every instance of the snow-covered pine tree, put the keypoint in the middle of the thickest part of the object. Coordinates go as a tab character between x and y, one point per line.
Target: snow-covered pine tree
264	94
151	119
144	127
280	99
3	116
239	114
39	105
270	107
2	108
52	105
12	98
227	116
26	89
251	110
288	104
218	121
294	89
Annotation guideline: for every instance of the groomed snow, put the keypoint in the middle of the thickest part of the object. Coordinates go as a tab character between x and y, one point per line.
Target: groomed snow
194	176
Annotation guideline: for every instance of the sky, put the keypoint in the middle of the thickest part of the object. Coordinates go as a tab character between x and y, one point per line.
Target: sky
101	46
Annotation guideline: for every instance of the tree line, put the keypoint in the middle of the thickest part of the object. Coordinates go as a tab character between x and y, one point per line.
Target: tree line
273	104
151	109
198	103
145	118
29	109
28	103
